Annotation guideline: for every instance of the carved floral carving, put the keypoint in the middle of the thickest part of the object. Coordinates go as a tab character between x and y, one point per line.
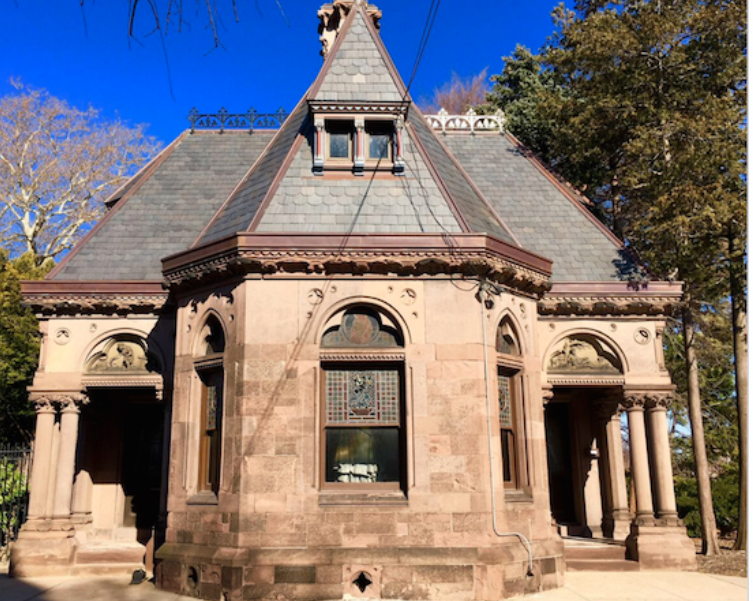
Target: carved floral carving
608	305
583	354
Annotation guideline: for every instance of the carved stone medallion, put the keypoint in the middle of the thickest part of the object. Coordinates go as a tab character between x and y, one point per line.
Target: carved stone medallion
583	354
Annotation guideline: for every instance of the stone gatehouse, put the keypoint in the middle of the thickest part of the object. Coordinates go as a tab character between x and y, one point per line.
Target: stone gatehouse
371	353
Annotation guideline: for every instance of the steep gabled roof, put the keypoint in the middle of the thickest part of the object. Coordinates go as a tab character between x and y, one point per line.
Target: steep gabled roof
281	193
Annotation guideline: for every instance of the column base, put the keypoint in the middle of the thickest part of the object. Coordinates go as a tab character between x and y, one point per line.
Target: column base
39	552
617	527
657	547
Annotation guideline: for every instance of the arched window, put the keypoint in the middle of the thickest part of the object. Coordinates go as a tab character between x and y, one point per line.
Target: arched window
510	397
210	367
363	439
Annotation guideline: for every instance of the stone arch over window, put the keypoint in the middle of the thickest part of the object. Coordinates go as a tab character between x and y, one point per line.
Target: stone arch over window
507	339
363	401
210	367
211	339
584	353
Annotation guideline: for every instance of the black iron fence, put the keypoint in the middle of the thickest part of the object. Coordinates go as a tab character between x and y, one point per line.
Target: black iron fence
15	470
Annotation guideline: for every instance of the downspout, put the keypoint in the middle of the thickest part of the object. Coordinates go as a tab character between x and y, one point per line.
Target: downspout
485	297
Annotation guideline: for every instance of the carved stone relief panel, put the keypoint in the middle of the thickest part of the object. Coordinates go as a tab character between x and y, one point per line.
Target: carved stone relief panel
122	354
583	354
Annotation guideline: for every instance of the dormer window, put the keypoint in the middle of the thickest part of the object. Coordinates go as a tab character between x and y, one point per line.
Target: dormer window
357	143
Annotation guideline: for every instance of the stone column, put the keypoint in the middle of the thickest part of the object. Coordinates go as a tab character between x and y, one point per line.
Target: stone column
639	468
617	482
663	485
40	470
69	414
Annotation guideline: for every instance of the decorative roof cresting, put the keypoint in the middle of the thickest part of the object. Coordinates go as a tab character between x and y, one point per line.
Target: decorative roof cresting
470	122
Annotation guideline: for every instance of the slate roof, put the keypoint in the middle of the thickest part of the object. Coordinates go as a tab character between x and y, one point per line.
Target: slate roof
168	210
358	70
210	185
308	203
541	216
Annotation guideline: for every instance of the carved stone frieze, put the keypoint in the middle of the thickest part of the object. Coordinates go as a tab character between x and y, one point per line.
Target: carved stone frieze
608	305
94	304
474	262
583	354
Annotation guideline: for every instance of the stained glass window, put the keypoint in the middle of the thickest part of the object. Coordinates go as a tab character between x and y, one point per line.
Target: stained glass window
362	396
361	328
505	402
211	408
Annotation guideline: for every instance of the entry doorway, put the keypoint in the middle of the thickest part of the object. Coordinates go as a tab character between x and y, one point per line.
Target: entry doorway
120	491
579	481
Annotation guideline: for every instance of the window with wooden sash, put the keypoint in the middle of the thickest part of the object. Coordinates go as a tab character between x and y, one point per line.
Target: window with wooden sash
363	438
511	413
210	368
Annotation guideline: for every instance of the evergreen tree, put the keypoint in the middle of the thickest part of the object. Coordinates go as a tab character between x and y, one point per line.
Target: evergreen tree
644	110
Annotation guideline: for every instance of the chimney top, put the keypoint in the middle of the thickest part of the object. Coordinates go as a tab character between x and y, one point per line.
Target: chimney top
332	16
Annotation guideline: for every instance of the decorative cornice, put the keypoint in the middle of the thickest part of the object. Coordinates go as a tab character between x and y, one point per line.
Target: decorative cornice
321	107
52	297
475	255
611	298
586	381
356	356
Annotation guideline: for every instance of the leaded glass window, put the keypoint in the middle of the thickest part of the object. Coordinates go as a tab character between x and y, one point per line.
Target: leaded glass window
363	396
505	402
340	134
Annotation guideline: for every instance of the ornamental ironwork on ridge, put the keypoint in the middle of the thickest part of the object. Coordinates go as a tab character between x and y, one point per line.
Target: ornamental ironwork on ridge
443	121
249	120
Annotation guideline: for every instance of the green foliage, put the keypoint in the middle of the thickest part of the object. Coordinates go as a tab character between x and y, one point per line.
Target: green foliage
19	347
724	491
519	91
13	489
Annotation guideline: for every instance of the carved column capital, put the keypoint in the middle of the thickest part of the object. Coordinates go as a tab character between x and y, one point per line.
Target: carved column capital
633	401
49	402
659	401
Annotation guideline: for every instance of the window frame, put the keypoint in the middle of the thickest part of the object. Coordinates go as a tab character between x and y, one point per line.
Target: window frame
510	365
210	446
389	127
364	365
345	124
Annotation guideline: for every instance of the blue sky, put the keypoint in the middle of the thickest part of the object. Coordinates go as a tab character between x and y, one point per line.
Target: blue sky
84	55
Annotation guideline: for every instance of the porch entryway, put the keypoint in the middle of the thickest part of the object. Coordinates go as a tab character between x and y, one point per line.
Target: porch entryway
118	495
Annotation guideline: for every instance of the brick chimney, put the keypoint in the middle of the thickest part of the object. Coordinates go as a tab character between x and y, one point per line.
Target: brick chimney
332	16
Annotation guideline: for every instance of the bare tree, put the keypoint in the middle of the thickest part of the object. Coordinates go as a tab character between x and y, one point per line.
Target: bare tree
458	95
57	166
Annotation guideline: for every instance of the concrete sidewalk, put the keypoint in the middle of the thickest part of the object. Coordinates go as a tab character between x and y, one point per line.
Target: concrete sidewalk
647	586
581	586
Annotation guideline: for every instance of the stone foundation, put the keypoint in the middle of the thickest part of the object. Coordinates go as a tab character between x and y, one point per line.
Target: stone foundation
384	573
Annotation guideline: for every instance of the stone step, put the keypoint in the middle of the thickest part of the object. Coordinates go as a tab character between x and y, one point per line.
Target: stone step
124	570
595	552
111	552
605	565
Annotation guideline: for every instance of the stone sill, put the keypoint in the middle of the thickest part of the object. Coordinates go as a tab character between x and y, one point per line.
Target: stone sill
517	496
331	498
203	498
